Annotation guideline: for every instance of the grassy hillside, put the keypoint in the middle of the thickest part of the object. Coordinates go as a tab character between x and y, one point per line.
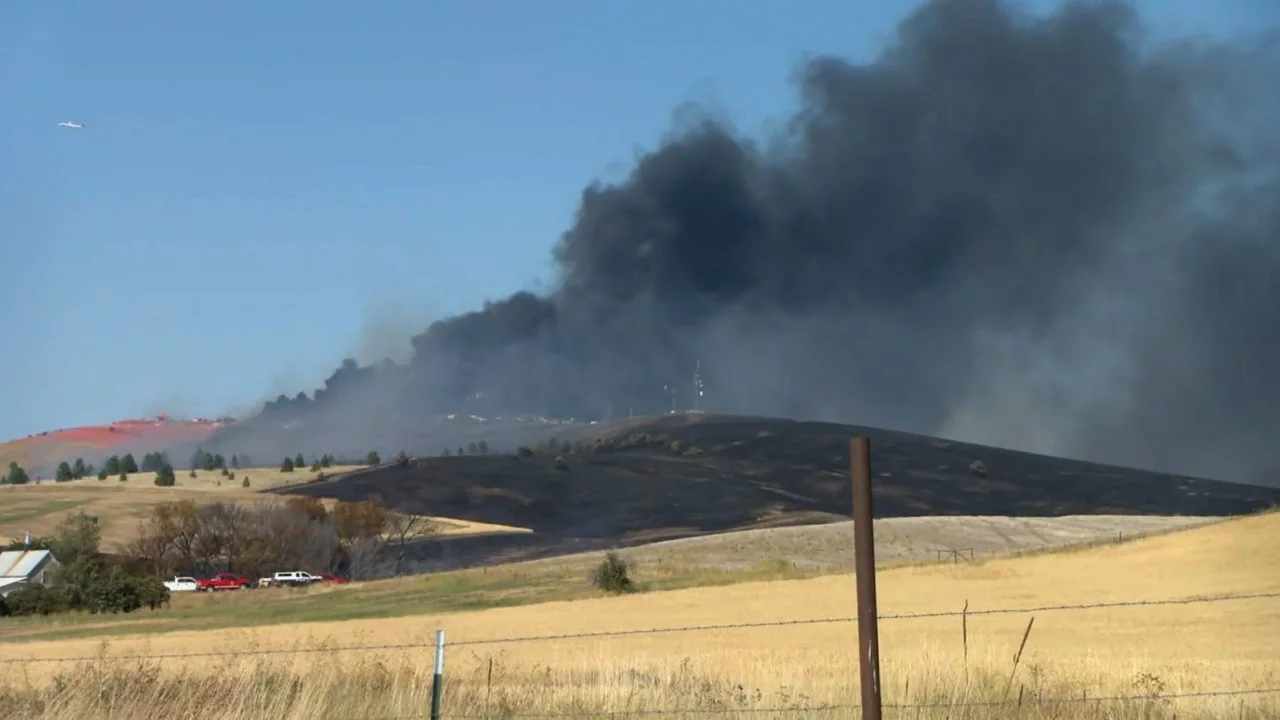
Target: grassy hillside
37	508
41	453
1071	655
728	473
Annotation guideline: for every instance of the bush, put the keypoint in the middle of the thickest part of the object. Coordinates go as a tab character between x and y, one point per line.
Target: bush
246	482
102	474
372	458
560	463
124	476
35	599
402	459
611	575
978	468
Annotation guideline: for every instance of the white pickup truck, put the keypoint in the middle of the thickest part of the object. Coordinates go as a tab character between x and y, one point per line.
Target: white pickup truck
291	578
181	583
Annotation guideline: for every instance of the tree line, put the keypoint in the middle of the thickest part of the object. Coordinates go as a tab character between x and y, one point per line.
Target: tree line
356	539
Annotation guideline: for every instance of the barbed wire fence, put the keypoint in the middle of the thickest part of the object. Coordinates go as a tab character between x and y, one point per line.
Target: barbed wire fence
844	710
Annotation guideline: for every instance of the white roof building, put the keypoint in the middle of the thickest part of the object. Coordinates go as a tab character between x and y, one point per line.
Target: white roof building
20	567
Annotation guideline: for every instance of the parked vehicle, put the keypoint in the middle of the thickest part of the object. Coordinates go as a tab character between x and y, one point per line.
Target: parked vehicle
293	578
222	581
182	583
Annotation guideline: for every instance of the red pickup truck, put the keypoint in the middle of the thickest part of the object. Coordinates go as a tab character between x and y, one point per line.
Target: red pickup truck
222	581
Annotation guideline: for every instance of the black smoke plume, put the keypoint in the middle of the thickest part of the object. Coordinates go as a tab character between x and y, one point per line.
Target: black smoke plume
1037	232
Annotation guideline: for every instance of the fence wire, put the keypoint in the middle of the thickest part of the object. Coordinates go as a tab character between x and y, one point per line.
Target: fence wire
1199	599
830	708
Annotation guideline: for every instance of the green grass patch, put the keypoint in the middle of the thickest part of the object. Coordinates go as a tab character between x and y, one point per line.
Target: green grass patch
455	591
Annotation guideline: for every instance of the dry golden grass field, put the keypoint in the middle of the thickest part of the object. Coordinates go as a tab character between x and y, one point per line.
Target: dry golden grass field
1075	662
37	508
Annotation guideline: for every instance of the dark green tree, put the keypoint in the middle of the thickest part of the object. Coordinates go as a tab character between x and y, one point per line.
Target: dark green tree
112	465
102	474
219	462
372	458
128	464
235	462
63	473
299	461
79	469
287	465
17	476
165	476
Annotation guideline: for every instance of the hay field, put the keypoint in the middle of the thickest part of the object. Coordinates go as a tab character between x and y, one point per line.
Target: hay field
1076	656
37	508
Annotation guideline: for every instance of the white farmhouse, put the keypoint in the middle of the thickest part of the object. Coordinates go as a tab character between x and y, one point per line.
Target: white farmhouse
20	567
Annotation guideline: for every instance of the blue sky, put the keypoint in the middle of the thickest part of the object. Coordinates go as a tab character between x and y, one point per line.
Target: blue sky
261	182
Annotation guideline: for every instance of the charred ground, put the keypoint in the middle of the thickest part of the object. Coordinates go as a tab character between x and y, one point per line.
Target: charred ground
729	473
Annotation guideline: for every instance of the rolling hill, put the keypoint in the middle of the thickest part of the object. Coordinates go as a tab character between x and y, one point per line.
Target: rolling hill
39	454
687	475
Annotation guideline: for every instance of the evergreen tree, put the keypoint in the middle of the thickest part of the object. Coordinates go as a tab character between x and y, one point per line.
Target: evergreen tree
165	476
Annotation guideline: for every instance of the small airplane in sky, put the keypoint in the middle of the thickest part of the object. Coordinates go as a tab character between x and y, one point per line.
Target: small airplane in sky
72	125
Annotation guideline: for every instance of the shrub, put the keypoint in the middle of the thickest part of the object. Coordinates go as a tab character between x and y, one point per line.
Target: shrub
372	458
611	575
524	451
246	482
402	459
675	446
694	451
978	468
560	463
35	599
193	473
102	474
124	476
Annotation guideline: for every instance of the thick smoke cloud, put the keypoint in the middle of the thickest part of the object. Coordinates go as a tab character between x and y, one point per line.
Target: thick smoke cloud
1017	230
